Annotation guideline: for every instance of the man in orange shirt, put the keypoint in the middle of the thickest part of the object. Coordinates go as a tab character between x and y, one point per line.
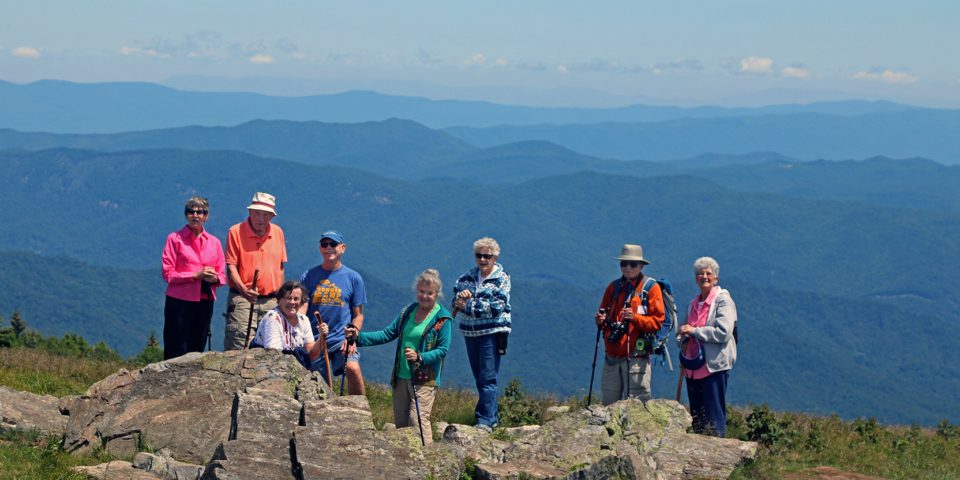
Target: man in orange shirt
631	312
254	245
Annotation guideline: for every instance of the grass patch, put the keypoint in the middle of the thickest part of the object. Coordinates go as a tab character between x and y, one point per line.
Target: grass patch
793	442
29	455
44	373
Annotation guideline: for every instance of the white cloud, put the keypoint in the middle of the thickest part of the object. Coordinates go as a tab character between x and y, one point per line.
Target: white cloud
26	52
795	71
475	59
563	68
756	65
501	62
261	58
885	75
125	50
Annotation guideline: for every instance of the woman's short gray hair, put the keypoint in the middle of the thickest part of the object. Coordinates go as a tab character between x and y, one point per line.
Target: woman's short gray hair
706	262
197	202
487	243
429	276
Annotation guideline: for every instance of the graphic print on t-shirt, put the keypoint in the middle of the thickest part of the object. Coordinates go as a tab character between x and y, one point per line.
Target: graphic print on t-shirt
327	294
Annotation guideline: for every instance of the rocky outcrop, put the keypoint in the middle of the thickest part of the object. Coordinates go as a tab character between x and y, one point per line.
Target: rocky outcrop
259	414
28	411
628	439
184	405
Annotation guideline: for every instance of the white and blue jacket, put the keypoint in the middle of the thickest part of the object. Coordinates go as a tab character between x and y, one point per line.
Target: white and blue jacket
488	310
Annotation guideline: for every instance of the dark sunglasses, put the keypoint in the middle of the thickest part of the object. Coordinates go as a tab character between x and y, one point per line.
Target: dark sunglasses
191	212
483	256
329	244
630	263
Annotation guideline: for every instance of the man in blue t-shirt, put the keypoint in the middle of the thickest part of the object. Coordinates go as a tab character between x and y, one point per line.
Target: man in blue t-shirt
337	293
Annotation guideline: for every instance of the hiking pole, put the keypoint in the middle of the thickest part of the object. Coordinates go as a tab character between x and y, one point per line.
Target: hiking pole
343	374
593	368
323	345
253	303
416	403
209	340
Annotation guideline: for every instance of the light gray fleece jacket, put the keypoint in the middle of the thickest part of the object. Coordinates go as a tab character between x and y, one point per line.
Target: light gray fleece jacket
719	347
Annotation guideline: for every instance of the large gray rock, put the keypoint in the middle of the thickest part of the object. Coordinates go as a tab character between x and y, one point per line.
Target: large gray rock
29	411
259	414
184	405
628	439
166	468
334	439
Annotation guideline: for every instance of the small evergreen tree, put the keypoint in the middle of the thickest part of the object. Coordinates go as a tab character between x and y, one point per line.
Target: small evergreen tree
152	353
18	323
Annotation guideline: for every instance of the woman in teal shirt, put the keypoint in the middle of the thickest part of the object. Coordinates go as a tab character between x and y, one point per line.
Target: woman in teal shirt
423	329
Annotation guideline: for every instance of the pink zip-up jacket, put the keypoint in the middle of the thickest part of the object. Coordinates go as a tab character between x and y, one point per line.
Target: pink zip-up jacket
183	255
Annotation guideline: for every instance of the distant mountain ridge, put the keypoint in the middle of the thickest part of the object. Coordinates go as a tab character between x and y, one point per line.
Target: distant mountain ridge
808	136
407	150
66	107
392	147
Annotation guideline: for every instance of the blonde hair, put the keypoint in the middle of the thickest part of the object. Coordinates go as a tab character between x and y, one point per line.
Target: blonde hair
429	276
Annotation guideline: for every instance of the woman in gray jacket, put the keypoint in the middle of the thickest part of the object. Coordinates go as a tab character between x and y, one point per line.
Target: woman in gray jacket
708	349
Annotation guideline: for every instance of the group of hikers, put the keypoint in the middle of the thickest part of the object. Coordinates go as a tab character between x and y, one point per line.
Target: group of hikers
319	319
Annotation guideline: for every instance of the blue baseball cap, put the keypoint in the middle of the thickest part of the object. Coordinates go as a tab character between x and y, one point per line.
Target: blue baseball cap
332	235
695	362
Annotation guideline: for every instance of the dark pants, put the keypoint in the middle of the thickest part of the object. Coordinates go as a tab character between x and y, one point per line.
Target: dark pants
185	326
485	363
708	403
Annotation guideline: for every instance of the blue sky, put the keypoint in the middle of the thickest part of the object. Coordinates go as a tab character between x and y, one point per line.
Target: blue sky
524	52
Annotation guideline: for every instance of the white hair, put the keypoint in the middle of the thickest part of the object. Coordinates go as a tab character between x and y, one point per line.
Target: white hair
706	262
487	243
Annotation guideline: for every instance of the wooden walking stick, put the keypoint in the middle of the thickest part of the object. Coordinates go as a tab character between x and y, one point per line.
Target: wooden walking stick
253	303
323	345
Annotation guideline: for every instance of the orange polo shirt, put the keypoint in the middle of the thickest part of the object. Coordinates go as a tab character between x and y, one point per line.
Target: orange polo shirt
248	252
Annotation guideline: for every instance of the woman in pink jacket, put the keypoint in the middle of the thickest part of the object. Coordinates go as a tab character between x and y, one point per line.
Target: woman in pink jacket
193	267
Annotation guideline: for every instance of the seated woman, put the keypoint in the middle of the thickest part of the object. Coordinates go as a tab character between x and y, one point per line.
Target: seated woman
286	329
423	329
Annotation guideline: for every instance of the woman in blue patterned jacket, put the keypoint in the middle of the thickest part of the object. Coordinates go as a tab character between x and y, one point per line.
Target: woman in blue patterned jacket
483	295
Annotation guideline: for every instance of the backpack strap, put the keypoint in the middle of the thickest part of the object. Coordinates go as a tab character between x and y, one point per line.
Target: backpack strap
648	283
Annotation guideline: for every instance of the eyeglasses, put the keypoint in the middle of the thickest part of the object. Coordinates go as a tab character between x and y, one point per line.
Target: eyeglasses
329	244
630	263
189	211
484	256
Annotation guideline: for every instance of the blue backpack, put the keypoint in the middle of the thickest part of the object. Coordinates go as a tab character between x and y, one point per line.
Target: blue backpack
668	329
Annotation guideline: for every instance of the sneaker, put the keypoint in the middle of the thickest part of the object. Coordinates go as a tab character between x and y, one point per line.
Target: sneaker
484	427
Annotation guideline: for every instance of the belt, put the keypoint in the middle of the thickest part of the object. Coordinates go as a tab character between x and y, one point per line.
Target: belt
259	297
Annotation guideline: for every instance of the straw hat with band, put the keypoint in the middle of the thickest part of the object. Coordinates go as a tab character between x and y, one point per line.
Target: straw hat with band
632	252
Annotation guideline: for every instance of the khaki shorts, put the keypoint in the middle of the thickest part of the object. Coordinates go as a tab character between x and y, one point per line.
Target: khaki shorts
616	372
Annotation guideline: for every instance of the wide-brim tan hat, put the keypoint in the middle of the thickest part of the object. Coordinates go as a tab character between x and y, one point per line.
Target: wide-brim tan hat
632	252
264	202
